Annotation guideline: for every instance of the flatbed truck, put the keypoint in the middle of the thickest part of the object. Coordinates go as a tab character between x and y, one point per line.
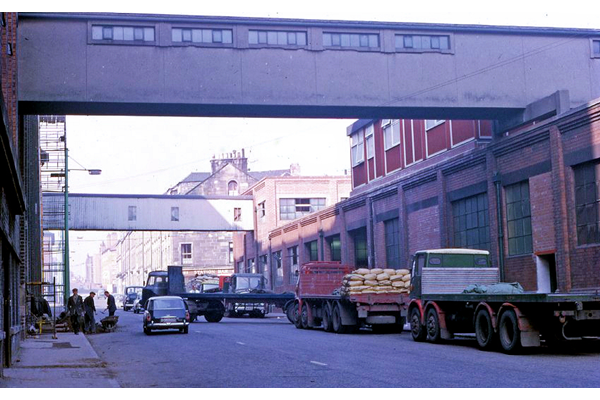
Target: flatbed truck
317	306
210	305
439	308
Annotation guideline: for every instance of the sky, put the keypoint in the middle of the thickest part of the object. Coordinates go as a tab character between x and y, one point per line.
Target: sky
150	154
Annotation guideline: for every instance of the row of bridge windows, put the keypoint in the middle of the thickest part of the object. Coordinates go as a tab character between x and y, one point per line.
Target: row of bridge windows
132	34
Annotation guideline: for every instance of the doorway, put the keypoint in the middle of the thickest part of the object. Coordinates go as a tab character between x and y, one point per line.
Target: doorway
546	273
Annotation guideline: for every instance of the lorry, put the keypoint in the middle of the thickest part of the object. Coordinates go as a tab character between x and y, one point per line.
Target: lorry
459	291
245	283
319	302
210	305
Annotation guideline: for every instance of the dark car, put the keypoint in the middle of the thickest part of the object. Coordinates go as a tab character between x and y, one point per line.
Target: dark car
166	312
133	294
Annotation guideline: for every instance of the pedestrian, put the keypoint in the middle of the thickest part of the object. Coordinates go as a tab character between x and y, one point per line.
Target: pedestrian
90	311
75	310
111	304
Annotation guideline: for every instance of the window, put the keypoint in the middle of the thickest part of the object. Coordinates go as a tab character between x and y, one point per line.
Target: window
518	218
264	267
312	249
391	133
351	40
260	210
232	188
123	33
251	267
174	213
357	149
471	222
361	254
587	198
595	48
237	214
186	253
293	260
369	138
423	42
392	242
295	208
278	268
277	38
231	252
335	247
432	123
210	36
240	267
132	213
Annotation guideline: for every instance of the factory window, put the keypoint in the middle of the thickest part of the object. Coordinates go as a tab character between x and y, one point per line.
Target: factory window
361	250
276	38
391	132
351	40
335	247
278	268
295	208
132	213
204	36
186	253
312	249
251	268
357	150
471	222
518	218
587	199
392	242
107	33
440	43
293	260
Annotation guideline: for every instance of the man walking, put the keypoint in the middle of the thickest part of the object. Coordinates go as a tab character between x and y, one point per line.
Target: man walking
75	309
90	311
111	304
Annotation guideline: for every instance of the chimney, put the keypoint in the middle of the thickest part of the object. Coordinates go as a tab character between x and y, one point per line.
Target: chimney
295	169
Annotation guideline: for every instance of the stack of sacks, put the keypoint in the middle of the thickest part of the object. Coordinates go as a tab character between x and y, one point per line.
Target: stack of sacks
376	280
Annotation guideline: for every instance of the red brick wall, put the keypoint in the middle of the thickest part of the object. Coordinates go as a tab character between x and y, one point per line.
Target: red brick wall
10	74
542	213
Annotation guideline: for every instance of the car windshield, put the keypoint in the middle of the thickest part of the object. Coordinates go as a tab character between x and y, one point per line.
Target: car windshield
248	283
168	304
132	296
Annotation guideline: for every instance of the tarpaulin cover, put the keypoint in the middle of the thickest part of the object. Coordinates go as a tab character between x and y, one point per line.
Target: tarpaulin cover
498	288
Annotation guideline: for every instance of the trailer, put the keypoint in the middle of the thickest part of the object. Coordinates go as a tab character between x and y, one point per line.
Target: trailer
210	305
319	304
455	291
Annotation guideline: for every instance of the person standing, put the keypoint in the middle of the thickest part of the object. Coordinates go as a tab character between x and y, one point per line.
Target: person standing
111	304
75	310
90	311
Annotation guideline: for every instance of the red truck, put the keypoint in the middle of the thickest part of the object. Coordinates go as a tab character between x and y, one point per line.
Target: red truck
318	303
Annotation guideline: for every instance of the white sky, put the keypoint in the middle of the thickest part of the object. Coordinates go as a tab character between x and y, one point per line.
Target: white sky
149	155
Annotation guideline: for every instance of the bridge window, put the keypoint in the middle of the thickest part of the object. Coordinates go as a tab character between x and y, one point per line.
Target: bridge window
174	213
432	123
277	38
122	33
132	213
423	42
596	48
214	36
351	40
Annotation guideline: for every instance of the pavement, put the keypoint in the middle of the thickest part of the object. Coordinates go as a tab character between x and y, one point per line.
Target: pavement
69	361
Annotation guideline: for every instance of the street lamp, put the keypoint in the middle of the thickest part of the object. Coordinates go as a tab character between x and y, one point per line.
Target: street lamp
67	289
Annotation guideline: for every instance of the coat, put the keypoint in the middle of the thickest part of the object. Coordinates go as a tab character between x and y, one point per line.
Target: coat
111	304
75	305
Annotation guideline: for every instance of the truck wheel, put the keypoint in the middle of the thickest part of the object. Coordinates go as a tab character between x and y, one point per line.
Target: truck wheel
417	330
484	331
509	333
289	312
336	320
304	316
327	322
433	326
297	320
215	312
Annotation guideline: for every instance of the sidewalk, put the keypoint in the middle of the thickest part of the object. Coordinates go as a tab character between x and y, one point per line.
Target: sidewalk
66	362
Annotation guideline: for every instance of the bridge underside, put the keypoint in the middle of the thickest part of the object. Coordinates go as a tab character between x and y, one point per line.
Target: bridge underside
99	212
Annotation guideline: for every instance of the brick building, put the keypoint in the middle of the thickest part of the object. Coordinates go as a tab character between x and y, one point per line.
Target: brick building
529	195
277	201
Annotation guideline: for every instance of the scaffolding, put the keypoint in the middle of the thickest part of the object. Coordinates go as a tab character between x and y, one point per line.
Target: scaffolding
52	133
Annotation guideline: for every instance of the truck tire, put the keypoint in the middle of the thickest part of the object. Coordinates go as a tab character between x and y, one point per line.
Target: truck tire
297	320
215	312
327	322
484	331
304	316
336	321
433	326
417	330
509	332
289	312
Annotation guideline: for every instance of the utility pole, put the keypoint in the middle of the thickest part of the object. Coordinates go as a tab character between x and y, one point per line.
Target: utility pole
66	261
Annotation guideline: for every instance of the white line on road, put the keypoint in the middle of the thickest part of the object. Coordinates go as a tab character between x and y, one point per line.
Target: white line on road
318	363
241	343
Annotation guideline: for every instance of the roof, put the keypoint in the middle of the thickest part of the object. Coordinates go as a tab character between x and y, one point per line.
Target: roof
196	177
455	251
258	175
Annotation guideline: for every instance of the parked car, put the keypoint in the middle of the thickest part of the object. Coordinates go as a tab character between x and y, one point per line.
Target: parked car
133	294
166	312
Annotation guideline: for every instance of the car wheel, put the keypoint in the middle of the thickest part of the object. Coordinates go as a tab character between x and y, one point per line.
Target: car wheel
147	331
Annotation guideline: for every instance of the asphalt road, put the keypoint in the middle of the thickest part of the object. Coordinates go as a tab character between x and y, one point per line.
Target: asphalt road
271	352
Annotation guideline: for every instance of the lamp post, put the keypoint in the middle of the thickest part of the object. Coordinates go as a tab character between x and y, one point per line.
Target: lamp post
67	273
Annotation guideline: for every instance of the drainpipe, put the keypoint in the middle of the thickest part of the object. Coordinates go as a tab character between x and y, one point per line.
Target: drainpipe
498	183
321	240
371	235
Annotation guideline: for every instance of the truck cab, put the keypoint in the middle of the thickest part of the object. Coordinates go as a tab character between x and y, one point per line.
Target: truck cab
246	283
450	271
